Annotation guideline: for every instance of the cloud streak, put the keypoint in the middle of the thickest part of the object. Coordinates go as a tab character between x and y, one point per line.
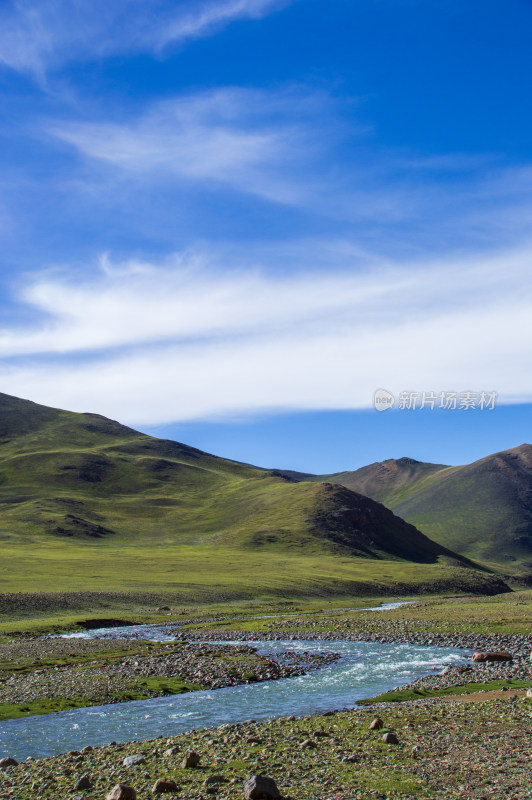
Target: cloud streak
38	35
154	344
286	146
220	136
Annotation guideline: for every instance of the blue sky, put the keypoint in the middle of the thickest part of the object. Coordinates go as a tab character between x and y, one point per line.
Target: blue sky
231	222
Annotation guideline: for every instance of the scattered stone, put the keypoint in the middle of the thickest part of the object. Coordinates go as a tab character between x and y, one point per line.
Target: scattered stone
131	761
122	792
377	724
191	759
529	692
172	751
164	785
87	749
308	743
259	787
214	779
8	762
390	738
83	784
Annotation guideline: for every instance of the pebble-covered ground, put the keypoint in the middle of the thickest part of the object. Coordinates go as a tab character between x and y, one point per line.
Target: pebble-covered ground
445	750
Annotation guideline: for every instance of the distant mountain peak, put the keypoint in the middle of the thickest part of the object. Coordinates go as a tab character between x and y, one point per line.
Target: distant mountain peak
482	510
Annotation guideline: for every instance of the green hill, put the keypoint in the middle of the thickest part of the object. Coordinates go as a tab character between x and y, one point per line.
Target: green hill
88	503
482	510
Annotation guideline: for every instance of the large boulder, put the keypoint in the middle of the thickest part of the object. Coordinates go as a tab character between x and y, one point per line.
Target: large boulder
133	761
8	762
377	724
390	738
83	784
259	787
122	792
164	785
191	759
495	655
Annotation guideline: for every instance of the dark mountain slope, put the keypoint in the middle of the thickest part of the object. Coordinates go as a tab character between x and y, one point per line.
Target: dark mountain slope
482	510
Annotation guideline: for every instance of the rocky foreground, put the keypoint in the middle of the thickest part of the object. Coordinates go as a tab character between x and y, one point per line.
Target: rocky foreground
474	746
424	749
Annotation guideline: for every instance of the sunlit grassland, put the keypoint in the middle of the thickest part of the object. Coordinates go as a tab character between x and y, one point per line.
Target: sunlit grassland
503	613
203	573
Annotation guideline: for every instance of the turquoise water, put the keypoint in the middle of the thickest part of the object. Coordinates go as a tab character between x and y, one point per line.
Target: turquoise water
365	669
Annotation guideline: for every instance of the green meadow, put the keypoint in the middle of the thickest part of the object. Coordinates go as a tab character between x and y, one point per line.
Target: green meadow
207	574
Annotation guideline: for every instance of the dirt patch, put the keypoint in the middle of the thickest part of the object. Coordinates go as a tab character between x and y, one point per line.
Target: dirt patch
481	697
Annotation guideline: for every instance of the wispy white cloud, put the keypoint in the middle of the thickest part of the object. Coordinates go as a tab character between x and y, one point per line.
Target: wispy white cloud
292	146
221	136
36	35
200	21
152	344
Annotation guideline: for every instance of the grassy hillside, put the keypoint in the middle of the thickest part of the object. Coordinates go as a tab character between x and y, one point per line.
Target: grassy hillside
91	504
482	510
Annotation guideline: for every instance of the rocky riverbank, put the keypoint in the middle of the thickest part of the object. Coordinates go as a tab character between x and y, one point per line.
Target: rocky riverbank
438	750
53	673
445	749
89	671
519	645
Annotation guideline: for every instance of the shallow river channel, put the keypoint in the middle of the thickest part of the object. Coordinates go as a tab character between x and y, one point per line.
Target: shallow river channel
365	669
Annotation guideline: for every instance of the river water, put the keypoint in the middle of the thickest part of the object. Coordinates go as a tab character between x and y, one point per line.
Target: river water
365	669
169	631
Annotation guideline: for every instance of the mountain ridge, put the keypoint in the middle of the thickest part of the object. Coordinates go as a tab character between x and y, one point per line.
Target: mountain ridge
73	486
482	510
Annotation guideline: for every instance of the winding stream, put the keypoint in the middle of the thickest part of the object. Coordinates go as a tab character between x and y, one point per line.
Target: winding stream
365	669
168	632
